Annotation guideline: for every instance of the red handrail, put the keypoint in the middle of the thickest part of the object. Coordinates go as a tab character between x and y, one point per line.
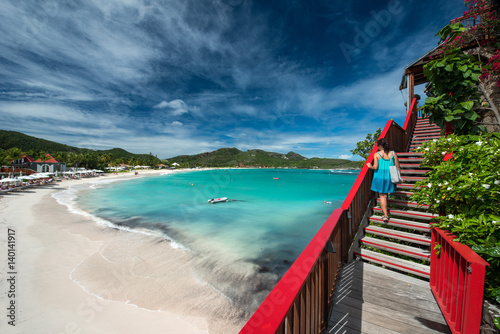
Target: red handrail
301	300
457	281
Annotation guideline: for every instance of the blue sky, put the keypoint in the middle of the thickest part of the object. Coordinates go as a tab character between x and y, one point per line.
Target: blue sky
189	76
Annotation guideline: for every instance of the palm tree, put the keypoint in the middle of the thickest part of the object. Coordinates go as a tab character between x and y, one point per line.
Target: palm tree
14	154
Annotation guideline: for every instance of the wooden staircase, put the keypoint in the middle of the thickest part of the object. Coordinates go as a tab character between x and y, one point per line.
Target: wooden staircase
403	243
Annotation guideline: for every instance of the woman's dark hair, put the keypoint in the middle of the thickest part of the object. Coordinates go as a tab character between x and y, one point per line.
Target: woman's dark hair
385	144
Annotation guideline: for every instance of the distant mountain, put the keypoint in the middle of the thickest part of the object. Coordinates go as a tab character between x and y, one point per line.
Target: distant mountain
224	157
10	139
230	157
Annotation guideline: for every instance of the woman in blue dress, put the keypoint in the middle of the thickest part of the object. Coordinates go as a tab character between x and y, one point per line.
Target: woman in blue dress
382	177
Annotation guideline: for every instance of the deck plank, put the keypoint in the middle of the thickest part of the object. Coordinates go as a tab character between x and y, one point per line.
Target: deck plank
370	299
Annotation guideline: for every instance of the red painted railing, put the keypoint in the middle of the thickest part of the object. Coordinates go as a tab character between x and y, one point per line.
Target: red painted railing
301	300
457	281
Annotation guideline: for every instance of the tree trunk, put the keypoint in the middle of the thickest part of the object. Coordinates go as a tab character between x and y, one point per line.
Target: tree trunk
491	103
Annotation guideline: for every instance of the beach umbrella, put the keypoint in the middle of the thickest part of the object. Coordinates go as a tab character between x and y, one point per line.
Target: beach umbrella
8	179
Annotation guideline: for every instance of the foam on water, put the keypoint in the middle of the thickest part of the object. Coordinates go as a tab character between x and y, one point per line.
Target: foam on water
241	247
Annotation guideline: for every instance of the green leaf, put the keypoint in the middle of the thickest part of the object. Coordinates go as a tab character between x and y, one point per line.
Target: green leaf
494	251
449	68
467	105
496	321
479	249
463	68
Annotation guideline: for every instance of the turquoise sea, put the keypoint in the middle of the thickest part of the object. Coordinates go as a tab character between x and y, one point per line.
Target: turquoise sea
241	247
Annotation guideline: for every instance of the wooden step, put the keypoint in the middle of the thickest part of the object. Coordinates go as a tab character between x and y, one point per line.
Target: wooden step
411	178
413	166
421	140
402	223
398	235
406	204
407	213
409	154
425	133
389	246
426	128
405	194
413	171
431	134
405	186
415	160
426	125
395	263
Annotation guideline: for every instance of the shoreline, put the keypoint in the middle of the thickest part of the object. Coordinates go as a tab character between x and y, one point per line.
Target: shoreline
76	276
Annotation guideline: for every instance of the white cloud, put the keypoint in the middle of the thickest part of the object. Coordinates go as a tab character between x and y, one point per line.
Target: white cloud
345	156
175	123
177	107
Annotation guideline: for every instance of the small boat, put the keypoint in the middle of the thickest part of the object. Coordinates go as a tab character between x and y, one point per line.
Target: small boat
217	200
276	178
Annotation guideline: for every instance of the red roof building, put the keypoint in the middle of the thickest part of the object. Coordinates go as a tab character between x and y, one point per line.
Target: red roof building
50	159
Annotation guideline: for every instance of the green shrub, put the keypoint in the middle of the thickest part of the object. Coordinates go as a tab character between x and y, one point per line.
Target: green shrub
466	191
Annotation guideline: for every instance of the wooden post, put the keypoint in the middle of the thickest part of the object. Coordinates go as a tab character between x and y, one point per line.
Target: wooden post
410	85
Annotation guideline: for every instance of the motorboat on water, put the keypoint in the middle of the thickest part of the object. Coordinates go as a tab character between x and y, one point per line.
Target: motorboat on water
217	200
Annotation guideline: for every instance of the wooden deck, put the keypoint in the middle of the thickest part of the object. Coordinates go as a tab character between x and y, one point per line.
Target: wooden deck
373	300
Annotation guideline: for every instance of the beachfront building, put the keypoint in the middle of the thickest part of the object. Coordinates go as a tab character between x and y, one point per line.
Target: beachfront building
48	165
21	165
28	165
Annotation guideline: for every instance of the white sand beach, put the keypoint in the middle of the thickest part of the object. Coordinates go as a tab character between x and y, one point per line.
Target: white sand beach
73	275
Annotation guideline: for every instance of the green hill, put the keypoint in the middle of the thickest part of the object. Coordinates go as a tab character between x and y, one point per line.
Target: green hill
10	139
230	157
224	157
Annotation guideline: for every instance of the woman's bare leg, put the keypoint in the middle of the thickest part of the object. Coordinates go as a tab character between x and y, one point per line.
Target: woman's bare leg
383	203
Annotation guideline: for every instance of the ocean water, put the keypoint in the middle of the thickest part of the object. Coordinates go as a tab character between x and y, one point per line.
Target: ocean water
241	247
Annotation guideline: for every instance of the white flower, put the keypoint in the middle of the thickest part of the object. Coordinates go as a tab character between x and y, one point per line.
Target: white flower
427	149
437	201
487	186
449	139
446	183
470	174
429	185
440	184
443	153
497	182
496	222
479	143
449	188
450	216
